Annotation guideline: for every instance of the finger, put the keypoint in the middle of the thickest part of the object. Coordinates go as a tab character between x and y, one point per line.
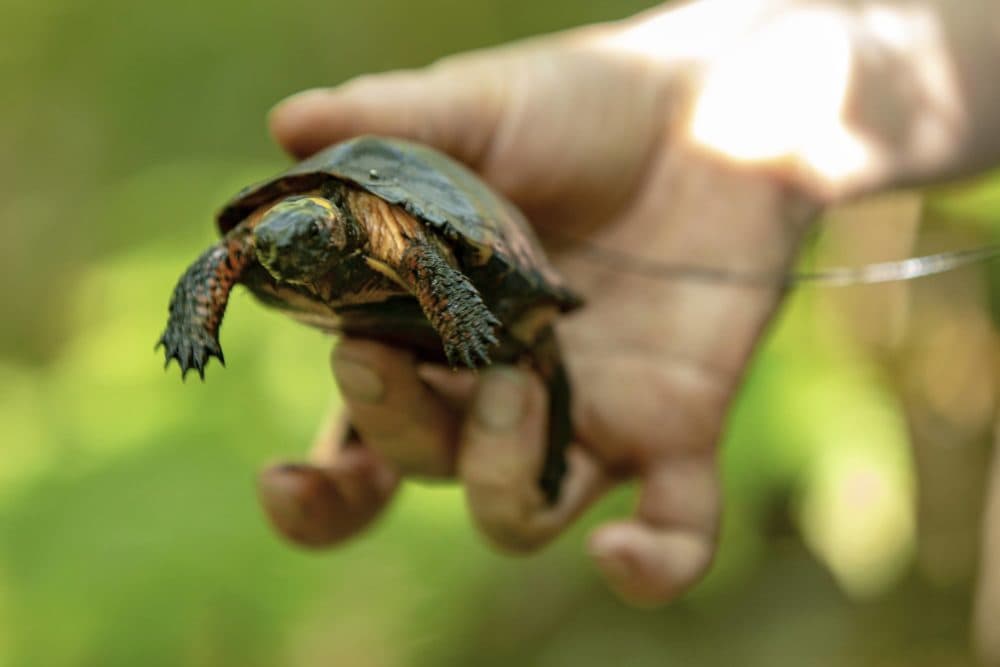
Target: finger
454	108
332	499
335	435
456	387
671	542
500	461
529	119
395	413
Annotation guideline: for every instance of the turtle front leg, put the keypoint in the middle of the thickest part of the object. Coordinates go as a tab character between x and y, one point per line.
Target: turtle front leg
452	304
546	359
199	302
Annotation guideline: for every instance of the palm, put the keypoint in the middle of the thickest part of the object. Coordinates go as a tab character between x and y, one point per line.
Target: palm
584	142
685	342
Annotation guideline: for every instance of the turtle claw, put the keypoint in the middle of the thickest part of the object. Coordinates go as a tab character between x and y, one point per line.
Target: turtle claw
191	349
482	357
468	342
198	304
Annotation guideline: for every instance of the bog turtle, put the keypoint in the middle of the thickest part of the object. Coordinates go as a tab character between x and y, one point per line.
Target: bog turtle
393	241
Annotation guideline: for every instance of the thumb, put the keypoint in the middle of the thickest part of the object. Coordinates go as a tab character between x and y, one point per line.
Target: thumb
561	128
454	106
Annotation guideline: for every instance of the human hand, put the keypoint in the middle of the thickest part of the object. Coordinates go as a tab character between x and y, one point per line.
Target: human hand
590	143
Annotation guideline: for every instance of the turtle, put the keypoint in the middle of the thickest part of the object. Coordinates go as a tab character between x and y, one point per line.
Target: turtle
390	240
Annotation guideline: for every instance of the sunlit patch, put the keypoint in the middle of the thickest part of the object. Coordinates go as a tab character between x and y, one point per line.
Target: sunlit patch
840	434
773	84
791	87
794	112
857	511
695	31
29	449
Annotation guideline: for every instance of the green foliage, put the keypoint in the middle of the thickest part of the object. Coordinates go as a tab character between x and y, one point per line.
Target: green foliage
129	533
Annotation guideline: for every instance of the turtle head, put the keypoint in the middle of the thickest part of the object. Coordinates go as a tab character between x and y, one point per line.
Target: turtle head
300	238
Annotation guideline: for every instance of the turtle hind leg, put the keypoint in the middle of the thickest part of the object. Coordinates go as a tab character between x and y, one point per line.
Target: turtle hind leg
452	304
547	361
555	466
199	302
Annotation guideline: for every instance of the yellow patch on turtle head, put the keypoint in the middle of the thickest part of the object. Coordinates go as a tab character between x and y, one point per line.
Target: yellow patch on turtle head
319	201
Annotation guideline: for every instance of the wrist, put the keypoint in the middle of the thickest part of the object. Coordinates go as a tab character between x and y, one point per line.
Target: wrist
838	98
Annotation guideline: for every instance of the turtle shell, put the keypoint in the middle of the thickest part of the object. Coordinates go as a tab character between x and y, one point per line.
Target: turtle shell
430	186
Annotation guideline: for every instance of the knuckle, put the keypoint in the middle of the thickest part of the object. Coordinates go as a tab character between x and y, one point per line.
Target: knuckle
506	514
511	532
411	447
698	397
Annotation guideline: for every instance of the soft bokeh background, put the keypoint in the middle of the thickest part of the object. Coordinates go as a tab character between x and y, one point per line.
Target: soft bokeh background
129	533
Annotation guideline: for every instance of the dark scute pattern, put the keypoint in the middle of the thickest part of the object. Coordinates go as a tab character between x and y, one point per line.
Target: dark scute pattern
430	186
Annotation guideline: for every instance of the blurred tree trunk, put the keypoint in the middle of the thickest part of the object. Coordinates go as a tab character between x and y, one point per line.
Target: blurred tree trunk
937	342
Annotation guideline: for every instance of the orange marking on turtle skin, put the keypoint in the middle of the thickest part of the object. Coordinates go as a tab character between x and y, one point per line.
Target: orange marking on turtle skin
227	273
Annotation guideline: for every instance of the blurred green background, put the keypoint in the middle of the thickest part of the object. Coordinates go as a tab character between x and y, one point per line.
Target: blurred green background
129	532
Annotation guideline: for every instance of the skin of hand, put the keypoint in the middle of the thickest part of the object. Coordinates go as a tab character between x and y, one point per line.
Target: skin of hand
595	142
653	365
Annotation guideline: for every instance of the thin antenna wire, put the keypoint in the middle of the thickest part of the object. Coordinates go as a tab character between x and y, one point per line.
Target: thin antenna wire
904	269
867	274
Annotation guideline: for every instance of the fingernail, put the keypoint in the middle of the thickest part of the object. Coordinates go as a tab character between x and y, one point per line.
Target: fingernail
500	400
357	381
